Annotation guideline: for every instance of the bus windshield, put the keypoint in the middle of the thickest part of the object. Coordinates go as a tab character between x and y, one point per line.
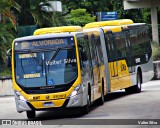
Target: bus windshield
52	66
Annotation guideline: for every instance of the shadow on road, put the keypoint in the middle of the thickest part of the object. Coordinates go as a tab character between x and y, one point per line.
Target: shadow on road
115	95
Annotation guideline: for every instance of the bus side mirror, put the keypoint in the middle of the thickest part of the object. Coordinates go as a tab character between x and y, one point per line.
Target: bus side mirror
8	58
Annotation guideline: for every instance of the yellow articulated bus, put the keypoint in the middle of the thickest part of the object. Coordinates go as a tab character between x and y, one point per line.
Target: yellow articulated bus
127	54
73	67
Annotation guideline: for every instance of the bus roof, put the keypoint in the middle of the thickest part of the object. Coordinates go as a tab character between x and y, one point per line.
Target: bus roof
106	29
44	36
109	23
136	25
112	28
58	30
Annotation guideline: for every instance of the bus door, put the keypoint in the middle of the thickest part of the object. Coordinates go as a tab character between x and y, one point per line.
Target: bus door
113	63
95	65
122	49
85	61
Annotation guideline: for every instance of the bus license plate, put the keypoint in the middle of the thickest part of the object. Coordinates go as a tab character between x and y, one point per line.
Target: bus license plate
48	104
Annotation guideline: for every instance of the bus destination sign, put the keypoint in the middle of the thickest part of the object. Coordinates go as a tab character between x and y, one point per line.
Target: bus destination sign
47	43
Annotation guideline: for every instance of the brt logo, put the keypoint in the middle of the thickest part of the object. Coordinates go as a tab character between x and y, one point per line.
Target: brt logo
36	97
123	67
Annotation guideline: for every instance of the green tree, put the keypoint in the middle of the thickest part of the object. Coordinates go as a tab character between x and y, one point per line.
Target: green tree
92	6
43	17
24	17
5	10
34	13
7	26
79	17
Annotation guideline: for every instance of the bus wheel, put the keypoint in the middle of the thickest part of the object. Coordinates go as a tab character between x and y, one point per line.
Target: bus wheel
31	114
138	86
101	99
86	108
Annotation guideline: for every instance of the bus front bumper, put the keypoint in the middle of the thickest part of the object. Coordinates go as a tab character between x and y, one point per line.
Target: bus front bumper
75	101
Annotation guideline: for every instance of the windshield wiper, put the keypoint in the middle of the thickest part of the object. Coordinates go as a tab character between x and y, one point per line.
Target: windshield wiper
54	55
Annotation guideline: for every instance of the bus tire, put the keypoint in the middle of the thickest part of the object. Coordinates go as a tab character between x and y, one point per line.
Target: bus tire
31	114
136	88
87	107
101	99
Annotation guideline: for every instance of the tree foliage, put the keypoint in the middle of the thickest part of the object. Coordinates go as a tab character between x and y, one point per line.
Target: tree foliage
79	17
5	10
7	26
41	17
91	6
75	12
34	13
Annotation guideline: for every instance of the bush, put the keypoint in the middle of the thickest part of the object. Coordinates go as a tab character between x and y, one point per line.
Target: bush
5	72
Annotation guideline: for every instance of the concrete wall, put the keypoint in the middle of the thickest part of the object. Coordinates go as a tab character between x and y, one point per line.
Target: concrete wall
6	88
156	66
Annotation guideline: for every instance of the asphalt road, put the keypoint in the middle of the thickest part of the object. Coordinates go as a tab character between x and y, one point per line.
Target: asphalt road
118	105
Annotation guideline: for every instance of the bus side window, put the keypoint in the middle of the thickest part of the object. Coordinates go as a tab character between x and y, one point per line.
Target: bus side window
110	46
127	39
120	44
139	45
99	49
93	51
147	40
84	53
133	39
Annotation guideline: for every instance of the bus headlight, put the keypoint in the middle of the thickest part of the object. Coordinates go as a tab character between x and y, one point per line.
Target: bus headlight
75	91
19	96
